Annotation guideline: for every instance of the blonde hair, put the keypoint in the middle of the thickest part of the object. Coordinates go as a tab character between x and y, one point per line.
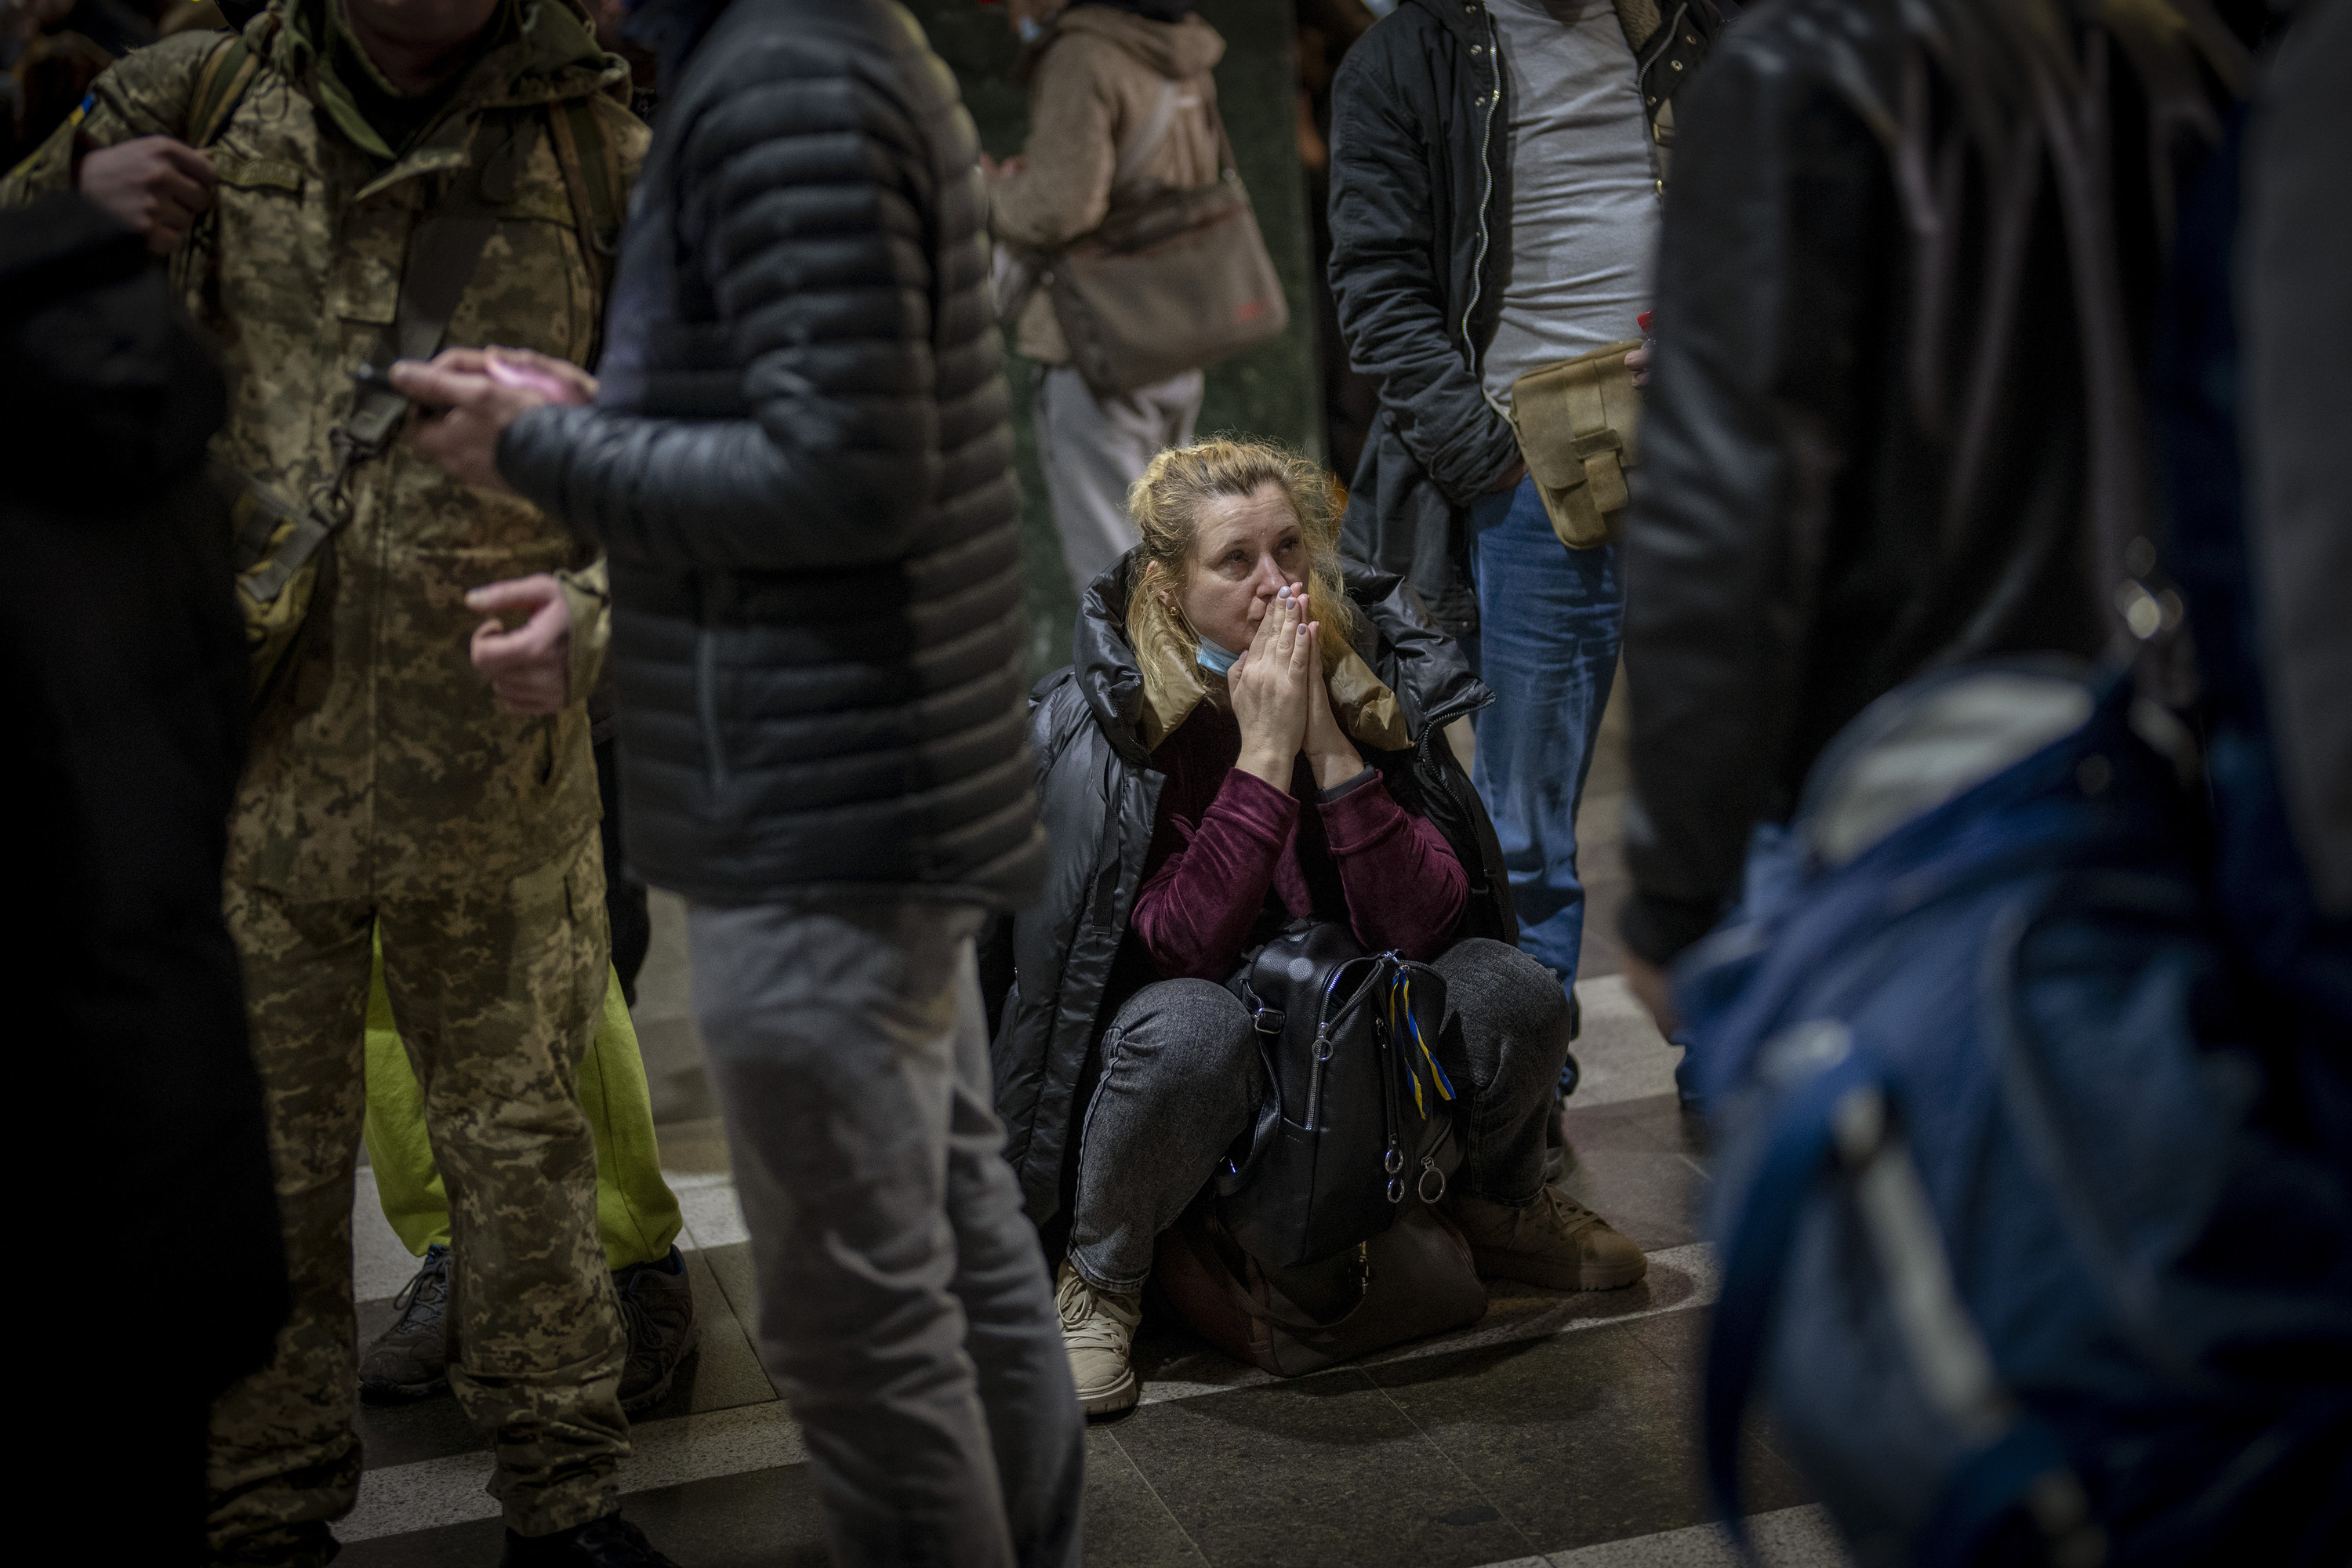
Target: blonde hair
1165	504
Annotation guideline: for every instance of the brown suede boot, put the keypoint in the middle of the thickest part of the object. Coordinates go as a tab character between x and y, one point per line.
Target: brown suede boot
1554	1241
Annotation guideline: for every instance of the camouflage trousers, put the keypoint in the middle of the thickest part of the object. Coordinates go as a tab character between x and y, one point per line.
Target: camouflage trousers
497	990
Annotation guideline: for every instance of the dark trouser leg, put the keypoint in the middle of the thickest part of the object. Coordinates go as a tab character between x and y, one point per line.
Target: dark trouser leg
1180	1081
625	897
912	1330
1513	1021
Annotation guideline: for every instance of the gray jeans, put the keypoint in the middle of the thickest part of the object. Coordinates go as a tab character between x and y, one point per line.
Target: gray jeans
903	1302
1092	450
1182	1080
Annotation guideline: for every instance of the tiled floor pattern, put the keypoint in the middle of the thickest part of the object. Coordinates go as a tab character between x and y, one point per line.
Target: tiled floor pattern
1560	1429
1557	1428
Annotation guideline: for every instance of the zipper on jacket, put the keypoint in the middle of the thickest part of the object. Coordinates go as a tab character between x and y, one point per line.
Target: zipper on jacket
706	704
1486	188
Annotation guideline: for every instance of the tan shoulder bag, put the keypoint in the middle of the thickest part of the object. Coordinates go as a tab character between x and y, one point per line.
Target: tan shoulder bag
1577	422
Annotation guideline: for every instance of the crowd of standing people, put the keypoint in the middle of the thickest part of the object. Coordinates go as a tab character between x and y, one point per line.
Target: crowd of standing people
1977	517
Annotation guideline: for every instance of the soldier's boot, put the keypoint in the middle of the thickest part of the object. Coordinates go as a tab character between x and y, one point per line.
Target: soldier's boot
411	1359
611	1541
658	1310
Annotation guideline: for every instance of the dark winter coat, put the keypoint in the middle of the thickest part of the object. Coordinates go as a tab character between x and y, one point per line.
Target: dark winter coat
1889	422
1063	964
125	668
1420	241
801	468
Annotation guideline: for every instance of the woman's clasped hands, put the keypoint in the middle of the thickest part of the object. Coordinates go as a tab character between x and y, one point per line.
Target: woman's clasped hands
1281	703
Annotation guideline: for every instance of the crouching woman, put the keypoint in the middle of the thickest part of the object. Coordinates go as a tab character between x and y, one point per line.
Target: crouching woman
1221	759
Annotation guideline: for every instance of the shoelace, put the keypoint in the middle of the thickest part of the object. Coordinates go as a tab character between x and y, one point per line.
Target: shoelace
1083	1323
425	1298
1572	1217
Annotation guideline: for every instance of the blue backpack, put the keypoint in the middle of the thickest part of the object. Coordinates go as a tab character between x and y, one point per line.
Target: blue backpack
2021	1246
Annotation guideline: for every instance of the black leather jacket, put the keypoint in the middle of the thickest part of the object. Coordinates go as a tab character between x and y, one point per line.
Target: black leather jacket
1420	247
1888	422
800	470
1063	965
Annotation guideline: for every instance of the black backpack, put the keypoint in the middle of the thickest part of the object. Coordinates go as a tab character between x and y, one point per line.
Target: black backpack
1359	1107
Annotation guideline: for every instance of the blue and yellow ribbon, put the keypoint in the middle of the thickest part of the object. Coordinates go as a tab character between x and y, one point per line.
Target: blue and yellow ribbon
1400	1000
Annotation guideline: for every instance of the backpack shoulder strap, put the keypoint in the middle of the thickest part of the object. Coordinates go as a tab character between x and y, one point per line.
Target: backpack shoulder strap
586	154
1148	137
592	177
220	82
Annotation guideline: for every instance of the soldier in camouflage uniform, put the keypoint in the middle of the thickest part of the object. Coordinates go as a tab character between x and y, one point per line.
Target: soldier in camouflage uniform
387	786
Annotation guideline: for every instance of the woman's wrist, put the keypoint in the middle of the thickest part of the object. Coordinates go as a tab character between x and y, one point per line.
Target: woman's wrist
1333	769
1264	765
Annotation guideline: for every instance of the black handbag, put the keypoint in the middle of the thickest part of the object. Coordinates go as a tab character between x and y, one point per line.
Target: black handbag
1358	1112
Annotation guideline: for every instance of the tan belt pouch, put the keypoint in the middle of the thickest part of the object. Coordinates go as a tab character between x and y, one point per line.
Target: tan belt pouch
1576	422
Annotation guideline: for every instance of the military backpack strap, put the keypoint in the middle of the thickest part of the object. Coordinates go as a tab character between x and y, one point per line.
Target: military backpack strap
220	82
591	178
441	262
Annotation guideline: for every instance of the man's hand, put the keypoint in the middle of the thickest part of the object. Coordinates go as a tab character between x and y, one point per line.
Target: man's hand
1652	990
1638	361
528	668
480	393
153	183
993	170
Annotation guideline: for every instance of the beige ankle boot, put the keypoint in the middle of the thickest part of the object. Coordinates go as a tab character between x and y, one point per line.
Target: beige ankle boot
1554	1241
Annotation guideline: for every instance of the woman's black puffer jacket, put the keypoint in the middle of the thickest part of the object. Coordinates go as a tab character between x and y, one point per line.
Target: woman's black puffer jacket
800	470
1069	960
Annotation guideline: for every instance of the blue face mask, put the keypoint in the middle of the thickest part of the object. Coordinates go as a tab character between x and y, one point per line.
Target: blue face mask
1212	657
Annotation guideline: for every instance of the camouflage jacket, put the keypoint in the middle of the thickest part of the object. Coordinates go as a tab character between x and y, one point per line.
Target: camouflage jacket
383	765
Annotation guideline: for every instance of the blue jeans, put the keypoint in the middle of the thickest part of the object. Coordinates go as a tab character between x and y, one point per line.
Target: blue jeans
1549	620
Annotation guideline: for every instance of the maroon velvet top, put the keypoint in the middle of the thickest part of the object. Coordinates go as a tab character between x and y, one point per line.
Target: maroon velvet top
1224	840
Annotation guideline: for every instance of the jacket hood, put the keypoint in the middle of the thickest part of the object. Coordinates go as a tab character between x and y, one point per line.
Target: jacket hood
1424	669
1170	48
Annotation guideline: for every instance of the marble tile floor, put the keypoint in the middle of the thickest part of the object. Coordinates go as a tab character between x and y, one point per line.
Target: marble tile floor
1560	1429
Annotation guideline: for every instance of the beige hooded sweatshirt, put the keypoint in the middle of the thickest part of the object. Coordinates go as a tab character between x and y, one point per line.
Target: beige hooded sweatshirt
1094	84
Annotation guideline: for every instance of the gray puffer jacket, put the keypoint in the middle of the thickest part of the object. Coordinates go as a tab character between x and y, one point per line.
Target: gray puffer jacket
801	469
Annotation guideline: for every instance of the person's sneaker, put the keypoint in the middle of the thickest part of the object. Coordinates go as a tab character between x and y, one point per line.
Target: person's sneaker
1554	1241
658	1310
611	1541
1098	1327
411	1359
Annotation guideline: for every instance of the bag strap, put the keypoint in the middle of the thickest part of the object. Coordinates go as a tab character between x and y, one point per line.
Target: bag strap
221	83
1147	140
592	179
441	260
